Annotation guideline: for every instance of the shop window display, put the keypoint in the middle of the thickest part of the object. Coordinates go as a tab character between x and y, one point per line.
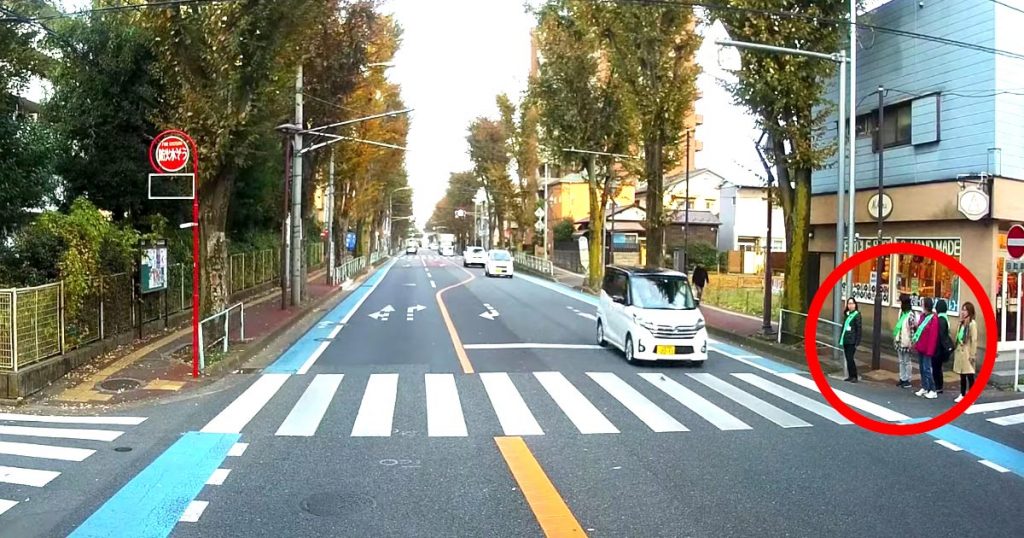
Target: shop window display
921	277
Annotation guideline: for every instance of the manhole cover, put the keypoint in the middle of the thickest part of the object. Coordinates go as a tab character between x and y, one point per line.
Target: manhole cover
336	503
119	385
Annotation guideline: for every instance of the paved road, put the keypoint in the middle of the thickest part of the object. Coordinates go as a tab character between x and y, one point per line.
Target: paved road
490	412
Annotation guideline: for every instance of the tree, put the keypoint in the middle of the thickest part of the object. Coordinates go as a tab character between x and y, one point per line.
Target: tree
581	103
105	99
227	68
491	155
26	147
651	49
522	143
462	186
786	95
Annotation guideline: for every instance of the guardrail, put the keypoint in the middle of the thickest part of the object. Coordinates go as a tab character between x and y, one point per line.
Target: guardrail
224	337
377	256
534	263
349	269
792	325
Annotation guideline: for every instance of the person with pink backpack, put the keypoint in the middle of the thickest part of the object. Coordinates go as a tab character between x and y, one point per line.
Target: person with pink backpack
926	343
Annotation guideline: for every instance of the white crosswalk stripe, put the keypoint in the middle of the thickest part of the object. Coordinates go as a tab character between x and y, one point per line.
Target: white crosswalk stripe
522	403
305	417
444	411
29	453
1008	420
750	401
707	410
652	415
513	414
793	397
377	411
574	404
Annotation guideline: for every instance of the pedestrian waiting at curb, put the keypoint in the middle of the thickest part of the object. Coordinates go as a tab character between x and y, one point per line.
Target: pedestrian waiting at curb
944	353
850	338
903	340
926	343
700	279
966	353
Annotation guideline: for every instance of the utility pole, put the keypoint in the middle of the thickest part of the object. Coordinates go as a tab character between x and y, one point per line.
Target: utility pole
686	218
547	179
837	293
284	225
876	344
297	195
852	223
330	220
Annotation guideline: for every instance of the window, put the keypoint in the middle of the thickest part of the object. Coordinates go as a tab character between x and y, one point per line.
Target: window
615	284
710	204
662	293
923	277
896	131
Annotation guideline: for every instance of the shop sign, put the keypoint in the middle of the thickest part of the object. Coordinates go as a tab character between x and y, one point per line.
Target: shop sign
949	245
868	242
1014	266
973	203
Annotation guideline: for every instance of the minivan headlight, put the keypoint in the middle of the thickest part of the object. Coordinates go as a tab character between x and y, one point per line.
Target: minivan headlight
643	322
700	324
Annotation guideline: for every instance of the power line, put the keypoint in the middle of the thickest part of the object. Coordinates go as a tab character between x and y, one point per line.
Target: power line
1008	6
824	20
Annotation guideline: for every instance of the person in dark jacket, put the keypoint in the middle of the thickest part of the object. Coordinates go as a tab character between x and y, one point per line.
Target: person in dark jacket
850	338
700	279
945	350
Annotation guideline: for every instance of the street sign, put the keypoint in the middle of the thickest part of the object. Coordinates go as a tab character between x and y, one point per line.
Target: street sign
539	226
539	213
1015	242
171	153
460	213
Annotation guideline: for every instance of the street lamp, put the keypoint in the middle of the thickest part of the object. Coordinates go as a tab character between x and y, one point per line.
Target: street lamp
841	59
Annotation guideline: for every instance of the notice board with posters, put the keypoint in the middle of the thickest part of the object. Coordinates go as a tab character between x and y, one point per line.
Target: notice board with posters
153	267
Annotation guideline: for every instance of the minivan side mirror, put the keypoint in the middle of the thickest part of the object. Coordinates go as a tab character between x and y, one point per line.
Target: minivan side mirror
618	299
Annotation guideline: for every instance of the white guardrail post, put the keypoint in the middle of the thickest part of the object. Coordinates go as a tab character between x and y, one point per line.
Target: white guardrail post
227	335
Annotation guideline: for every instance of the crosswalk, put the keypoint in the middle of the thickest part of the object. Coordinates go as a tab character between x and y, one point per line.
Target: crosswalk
529	404
1011	412
36	449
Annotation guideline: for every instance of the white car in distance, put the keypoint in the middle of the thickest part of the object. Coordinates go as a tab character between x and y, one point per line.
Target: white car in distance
474	256
499	263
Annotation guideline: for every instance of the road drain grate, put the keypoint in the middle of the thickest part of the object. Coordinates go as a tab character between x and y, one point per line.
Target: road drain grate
120	385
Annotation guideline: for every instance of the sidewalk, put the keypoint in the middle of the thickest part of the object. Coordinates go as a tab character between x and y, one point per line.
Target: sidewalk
164	366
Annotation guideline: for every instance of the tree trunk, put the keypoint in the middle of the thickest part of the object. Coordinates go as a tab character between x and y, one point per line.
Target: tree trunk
214	263
795	297
655	199
595	267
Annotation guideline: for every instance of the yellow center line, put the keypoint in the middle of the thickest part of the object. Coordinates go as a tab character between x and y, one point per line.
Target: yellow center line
460	351
548	507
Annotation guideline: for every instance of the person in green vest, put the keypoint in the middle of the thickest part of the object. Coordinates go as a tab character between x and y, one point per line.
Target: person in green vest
966	354
850	338
903	340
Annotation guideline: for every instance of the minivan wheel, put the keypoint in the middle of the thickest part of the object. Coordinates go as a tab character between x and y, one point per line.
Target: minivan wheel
600	335
629	350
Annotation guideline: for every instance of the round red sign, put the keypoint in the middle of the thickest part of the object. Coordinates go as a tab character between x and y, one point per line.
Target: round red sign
1015	241
171	153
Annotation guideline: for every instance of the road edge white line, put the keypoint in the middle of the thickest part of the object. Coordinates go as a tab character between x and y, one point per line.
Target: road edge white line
193	512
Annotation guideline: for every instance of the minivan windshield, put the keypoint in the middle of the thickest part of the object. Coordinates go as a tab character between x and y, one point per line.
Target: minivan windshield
662	292
500	255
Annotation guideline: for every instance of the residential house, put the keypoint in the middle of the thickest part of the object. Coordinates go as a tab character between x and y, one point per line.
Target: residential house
953	137
744	215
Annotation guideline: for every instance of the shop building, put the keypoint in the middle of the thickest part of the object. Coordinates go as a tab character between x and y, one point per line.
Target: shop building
953	153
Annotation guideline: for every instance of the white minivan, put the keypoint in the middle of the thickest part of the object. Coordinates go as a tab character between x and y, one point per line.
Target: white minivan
651	315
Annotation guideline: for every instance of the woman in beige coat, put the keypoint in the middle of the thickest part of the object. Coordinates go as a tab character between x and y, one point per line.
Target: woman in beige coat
966	354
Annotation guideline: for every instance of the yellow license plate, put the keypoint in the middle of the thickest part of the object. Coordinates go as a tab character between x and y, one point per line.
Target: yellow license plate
665	350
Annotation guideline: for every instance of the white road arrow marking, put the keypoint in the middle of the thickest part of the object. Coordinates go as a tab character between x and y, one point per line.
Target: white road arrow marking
491	312
377	315
383	313
388	308
417	308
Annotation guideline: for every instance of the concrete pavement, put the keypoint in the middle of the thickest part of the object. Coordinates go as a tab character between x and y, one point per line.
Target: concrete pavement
386	434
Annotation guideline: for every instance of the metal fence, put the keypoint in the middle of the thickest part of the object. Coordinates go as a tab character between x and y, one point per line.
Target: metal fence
534	263
793	324
349	269
35	323
377	256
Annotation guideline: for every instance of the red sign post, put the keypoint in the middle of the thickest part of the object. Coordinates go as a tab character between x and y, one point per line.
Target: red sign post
169	153
1015	242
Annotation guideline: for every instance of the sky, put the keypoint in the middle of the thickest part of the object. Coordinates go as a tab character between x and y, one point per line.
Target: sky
457	55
